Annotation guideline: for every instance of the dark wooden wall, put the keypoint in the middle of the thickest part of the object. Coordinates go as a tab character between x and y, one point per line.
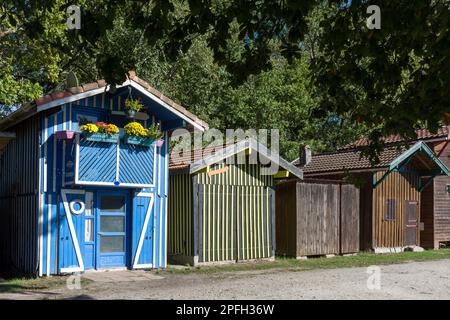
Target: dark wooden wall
427	217
365	208
441	203
286	218
324	217
19	199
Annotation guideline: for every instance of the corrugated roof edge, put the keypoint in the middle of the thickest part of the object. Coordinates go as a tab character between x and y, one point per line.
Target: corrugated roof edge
30	108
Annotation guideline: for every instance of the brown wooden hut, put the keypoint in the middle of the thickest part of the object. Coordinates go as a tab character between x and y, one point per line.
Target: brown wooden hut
316	217
390	192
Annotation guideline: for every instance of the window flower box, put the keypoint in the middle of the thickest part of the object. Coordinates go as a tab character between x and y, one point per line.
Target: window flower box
65	135
159	142
147	142
101	137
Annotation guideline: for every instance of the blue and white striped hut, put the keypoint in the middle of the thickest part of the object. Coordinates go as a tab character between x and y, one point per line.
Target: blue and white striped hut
72	201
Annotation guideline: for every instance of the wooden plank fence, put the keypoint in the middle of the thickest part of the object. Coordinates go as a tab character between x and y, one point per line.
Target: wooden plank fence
316	218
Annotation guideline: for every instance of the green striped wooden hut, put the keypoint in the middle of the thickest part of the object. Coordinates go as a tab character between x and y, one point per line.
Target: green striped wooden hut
222	205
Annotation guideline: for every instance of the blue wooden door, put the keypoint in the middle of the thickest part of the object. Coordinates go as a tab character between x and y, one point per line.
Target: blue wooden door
142	230
71	231
112	224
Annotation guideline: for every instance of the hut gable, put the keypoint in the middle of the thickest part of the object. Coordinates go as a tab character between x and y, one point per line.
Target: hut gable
100	94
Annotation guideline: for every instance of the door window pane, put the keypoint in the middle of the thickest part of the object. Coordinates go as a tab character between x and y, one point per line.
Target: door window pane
112	224
112	203
88	230
112	244
89	201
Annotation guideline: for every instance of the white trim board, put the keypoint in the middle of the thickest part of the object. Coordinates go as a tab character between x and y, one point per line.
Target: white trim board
165	105
76	245
143	231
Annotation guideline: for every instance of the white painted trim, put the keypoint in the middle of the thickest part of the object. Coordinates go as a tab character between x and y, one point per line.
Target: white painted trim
65	117
74	191
143	231
160	206
160	230
49	231
55	128
45	152
111	184
165	105
72	208
72	228
159	172
117	160
41	234
144	194
144	266
70	116
77	157
70	270
75	97
166	191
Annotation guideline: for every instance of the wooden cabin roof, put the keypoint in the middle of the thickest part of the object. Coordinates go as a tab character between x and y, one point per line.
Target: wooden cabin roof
70	94
422	134
201	158
419	156
351	159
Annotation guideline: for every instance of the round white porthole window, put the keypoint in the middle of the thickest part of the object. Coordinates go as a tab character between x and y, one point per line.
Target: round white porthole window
77	206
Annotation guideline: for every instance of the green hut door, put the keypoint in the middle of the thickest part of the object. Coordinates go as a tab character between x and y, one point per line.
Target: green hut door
234	222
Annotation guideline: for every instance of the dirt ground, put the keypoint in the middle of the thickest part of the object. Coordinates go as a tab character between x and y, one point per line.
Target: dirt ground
416	280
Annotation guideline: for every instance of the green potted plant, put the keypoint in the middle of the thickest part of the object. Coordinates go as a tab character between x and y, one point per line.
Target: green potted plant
132	106
135	133
100	132
154	132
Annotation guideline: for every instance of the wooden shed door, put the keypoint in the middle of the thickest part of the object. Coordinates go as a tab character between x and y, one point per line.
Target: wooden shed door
411	223
234	223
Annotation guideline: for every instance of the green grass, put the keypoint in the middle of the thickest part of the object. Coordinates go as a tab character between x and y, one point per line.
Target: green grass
291	264
20	285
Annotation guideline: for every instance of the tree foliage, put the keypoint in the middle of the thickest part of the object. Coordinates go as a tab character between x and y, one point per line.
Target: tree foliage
218	57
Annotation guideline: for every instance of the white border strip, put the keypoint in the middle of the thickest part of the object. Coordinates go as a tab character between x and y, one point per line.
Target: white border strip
45	153
144	230
72	230
166	191
41	233
165	105
49	231
75	97
55	128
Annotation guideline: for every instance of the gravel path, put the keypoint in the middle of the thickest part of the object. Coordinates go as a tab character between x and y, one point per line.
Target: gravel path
416	280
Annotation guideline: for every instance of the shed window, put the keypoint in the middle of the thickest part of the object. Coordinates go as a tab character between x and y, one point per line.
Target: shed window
390	210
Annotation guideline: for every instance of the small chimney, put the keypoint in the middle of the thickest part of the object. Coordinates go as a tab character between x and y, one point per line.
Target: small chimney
304	156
